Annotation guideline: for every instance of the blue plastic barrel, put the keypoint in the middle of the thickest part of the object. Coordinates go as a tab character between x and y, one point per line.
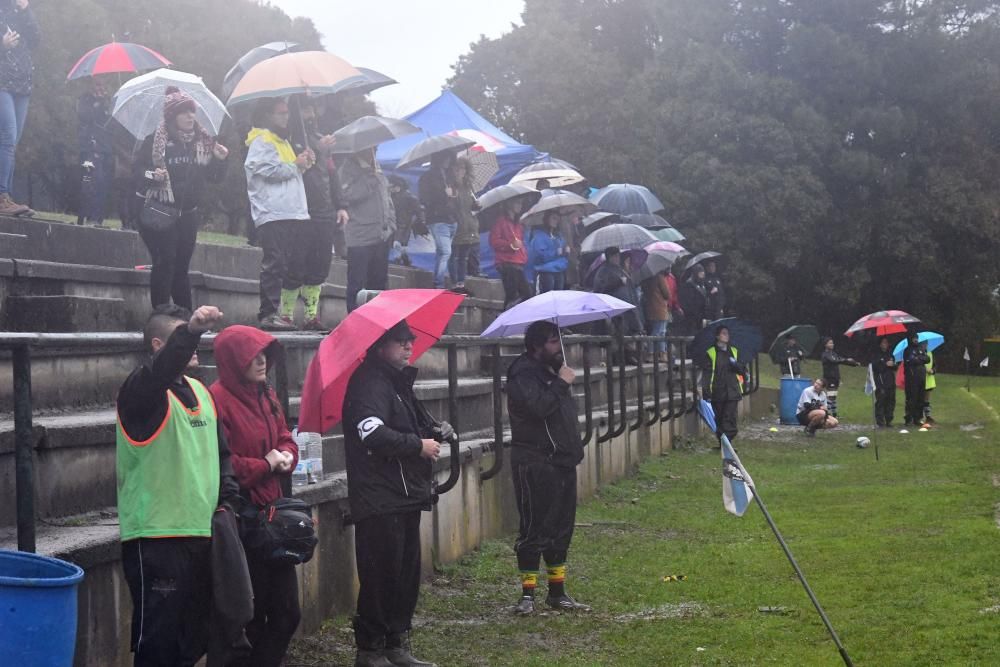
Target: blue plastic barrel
791	390
37	609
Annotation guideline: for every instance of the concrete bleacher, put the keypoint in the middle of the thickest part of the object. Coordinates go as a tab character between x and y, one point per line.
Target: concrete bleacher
59	277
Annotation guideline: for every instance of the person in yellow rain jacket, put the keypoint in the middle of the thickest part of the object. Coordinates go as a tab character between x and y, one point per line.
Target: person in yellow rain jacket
929	385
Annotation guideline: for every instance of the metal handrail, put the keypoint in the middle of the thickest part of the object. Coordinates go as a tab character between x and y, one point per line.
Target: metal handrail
498	441
453	442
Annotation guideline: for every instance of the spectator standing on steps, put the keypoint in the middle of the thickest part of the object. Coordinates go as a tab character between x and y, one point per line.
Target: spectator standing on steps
263	455
723	380
545	449
171	170
93	113
440	200
391	443
369	223
466	244
20	37
278	206
173	469
510	253
548	254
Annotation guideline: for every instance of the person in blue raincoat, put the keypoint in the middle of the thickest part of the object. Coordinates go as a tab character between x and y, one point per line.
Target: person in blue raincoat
548	254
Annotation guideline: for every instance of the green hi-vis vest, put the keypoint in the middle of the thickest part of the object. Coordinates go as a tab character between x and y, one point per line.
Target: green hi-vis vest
712	353
931	381
168	485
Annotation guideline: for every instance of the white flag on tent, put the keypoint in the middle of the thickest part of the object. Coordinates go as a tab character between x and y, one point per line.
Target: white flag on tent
984	363
966	355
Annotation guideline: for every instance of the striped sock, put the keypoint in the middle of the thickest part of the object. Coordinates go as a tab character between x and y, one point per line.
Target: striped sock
529	581
557	580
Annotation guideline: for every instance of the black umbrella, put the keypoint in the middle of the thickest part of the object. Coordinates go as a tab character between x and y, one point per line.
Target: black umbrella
743	335
375	80
650	221
422	151
595	221
701	257
369	131
807	336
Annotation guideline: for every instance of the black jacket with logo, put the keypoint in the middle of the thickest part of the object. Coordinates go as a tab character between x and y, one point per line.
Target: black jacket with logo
884	374
543	416
383	426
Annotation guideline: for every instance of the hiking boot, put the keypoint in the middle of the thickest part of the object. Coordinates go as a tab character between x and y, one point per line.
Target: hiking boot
525	606
400	655
314	324
275	322
370	658
565	603
9	207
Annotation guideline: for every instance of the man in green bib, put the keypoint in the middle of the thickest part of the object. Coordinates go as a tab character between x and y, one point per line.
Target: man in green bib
173	471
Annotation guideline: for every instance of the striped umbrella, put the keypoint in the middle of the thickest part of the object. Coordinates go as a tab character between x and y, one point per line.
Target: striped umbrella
117	57
622	236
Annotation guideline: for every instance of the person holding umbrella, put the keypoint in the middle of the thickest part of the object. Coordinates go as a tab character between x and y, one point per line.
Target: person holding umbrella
548	254
20	38
656	298
507	241
722	384
371	223
546	447
171	170
409	216
694	301
915	362
466	243
793	356
884	372
832	361
440	201
716	294
93	113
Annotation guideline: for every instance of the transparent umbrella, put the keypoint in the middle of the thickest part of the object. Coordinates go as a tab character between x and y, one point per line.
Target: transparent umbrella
139	103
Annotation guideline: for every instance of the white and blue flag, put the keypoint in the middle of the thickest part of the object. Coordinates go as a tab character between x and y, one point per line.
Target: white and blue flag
737	487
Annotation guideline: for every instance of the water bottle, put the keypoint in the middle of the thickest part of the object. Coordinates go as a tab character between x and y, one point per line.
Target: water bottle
300	476
315	470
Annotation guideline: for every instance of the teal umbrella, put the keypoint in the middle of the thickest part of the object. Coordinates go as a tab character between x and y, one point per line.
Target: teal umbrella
807	336
933	339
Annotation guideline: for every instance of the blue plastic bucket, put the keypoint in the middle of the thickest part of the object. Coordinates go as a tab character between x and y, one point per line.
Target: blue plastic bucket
791	390
37	609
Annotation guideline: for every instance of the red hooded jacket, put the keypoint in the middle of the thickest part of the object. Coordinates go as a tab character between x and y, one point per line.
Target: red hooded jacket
507	241
250	413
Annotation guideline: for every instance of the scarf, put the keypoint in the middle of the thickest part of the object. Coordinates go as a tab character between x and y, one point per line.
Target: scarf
203	145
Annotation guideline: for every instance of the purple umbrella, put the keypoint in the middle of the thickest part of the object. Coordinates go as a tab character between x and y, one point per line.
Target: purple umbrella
563	308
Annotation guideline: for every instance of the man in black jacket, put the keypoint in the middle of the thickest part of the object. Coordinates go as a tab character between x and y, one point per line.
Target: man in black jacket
390	444
723	379
884	374
545	450
915	361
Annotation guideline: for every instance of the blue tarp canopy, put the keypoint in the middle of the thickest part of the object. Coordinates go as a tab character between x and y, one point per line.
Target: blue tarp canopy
450	115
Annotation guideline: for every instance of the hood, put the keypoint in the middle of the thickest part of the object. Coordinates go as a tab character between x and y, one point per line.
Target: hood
235	347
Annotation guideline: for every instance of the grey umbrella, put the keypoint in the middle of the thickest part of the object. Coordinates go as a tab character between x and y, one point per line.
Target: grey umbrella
655	263
650	221
505	193
422	151
671	234
595	221
623	236
369	131
626	198
553	202
701	257
252	57
375	80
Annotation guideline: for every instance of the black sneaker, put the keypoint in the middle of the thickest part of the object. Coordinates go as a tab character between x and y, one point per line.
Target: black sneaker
401	657
525	606
565	603
370	658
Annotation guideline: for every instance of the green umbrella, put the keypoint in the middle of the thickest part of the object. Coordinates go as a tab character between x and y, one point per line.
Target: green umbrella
806	334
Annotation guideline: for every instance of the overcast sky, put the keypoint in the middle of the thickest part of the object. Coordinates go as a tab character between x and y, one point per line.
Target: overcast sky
414	41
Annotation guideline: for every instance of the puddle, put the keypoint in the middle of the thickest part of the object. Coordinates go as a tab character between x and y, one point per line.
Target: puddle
665	611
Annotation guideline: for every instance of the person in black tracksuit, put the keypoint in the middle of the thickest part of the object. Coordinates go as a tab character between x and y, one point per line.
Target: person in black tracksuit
545	449
391	443
884	374
722	385
915	361
169	578
832	361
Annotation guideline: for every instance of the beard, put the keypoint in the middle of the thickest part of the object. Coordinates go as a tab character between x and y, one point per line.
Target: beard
555	361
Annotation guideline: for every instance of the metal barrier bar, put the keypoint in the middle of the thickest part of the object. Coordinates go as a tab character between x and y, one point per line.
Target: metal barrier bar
456	460
640	396
24	449
657	413
609	381
497	419
671	414
588	397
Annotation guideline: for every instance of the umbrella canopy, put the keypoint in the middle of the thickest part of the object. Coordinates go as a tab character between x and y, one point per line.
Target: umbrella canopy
117	57
933	339
505	193
304	72
806	334
595	221
650	221
139	103
369	131
743	335
483	165
564	308
427	312
441	143
558	173
669	234
701	257
625	199
373	81
622	236
883	323
256	55
668	248
655	264
553	202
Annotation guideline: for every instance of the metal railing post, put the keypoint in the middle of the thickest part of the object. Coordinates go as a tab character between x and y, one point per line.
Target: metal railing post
497	419
639	388
24	449
588	398
609	379
657	413
455	450
670	384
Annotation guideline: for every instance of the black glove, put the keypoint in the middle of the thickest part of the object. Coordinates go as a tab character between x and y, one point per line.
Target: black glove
444	432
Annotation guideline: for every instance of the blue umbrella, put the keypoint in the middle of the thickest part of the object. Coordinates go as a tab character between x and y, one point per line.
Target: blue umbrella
742	334
563	308
626	199
933	339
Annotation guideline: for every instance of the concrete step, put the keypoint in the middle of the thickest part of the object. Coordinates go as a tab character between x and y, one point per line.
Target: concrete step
63	313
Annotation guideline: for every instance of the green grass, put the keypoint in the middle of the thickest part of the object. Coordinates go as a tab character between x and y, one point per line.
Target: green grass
900	551
216	238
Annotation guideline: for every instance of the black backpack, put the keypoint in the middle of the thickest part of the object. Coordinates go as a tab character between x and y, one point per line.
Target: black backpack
283	532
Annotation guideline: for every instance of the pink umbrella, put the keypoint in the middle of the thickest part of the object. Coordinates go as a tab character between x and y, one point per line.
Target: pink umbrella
672	250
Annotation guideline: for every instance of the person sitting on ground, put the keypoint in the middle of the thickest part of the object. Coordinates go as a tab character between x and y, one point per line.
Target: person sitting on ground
278	204
510	254
173	468
723	379
813	409
171	171
793	357
548	254
832	361
263	455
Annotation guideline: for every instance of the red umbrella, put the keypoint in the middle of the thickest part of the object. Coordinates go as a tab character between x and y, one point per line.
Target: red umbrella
883	323
117	57
426	311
